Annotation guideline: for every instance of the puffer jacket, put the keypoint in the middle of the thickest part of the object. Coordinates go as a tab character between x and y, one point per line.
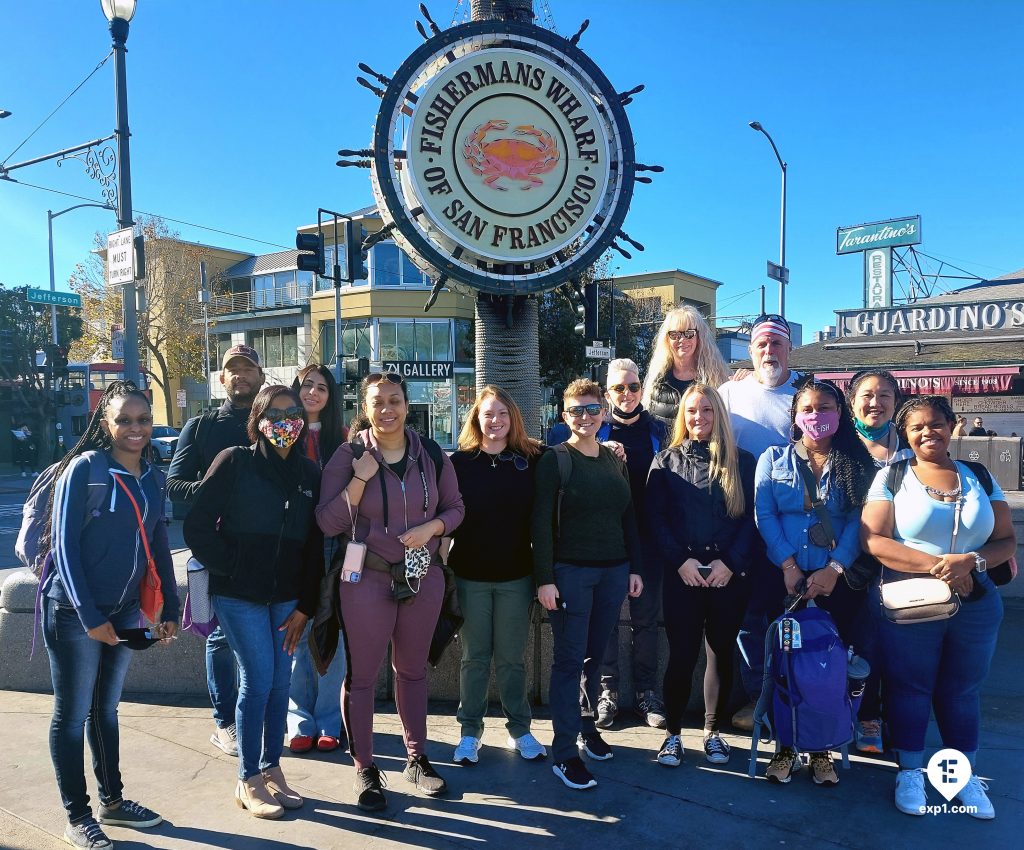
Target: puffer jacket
664	403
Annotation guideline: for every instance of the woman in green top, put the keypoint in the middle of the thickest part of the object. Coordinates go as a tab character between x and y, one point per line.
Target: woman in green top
585	558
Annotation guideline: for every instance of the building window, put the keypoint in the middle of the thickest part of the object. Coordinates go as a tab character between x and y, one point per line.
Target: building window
219	345
275	346
355	339
465	346
391	267
415	339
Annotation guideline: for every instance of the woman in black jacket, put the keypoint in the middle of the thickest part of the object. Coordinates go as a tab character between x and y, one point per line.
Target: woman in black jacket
252	526
700	530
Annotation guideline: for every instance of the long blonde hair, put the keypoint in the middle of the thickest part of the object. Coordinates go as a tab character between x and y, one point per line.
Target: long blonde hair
725	466
471	437
710	366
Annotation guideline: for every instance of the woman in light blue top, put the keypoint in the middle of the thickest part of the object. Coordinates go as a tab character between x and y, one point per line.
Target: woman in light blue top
940	522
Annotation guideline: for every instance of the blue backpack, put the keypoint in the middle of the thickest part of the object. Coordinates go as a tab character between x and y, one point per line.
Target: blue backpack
807	695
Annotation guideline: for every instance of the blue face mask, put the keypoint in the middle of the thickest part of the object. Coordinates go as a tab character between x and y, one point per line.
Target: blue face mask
869	433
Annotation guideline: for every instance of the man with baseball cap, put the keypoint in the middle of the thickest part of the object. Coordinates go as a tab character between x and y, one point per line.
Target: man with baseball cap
759	410
201	440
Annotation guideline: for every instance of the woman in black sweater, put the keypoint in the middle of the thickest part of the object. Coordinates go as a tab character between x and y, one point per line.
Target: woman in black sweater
700	530
252	526
496	464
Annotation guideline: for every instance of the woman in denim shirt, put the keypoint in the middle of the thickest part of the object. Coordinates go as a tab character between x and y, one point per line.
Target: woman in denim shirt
811	561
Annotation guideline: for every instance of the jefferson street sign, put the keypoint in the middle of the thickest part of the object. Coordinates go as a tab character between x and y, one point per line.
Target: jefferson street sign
598	352
61	299
777	272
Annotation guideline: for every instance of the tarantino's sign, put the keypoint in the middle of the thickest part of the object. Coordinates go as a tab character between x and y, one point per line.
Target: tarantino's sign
511	155
984	316
878	234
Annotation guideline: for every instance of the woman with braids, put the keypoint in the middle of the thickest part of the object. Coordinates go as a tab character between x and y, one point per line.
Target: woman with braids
92	595
252	526
827	446
684	352
873	396
314	704
932	516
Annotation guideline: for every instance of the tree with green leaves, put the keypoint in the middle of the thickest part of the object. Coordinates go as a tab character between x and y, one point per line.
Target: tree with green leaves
27	390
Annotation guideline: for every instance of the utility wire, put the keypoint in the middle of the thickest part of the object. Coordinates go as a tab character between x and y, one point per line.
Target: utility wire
103	61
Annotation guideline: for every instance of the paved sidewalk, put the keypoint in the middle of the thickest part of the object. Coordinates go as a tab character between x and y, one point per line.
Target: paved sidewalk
505	802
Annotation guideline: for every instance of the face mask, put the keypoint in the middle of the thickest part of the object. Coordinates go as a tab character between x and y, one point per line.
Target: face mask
817	426
283	433
869	433
633	414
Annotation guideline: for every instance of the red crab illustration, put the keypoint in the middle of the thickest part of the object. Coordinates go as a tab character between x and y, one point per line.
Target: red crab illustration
516	159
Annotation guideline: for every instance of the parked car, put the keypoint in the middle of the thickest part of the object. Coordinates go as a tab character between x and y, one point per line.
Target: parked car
165	439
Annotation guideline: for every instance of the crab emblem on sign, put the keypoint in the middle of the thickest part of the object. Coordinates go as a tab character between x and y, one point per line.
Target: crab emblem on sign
515	159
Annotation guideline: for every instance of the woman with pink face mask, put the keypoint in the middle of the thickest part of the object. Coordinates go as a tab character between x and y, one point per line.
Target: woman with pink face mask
827	446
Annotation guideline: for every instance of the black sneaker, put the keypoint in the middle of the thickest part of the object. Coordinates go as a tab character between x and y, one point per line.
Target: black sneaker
594	746
128	813
573	772
650	709
421	773
716	749
369	785
87	834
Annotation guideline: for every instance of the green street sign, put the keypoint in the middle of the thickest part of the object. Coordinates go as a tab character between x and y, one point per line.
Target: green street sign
879	234
61	299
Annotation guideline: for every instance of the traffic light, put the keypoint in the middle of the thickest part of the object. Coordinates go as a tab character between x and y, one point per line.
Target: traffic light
356	368
313	261
587	311
355	257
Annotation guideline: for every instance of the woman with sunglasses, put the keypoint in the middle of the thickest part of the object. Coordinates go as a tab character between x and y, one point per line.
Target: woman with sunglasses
684	352
637	436
383	489
827	449
493	567
586	556
314	704
252	526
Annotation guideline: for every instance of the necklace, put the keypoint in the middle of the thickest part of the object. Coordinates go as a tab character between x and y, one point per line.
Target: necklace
943	494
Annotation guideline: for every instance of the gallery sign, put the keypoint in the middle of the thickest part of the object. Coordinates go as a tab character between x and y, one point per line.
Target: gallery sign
420	370
502	158
911	319
878	234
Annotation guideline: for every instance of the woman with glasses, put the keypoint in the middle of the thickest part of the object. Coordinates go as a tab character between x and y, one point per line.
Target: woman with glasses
314	704
828	453
496	465
700	535
252	526
632	431
586	556
684	352
397	493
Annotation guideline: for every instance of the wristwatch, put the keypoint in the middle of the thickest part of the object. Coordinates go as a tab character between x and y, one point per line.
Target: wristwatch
839	568
980	564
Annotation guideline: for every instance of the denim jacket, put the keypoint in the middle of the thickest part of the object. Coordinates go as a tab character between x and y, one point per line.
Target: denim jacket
783	521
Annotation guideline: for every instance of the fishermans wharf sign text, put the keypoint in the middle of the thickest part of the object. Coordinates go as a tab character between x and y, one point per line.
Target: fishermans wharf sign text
502	158
878	234
967	318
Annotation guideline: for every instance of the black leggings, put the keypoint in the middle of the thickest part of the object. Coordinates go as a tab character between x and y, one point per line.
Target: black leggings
692	613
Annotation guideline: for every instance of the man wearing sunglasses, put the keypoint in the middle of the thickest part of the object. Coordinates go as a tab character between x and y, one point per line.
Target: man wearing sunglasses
759	410
640	436
201	440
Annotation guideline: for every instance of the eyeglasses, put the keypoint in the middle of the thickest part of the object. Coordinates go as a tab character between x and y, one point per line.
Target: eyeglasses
577	410
621	388
689	333
274	414
521	463
390	377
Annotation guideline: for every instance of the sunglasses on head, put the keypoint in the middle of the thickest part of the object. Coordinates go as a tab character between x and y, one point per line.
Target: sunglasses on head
275	413
621	388
578	410
689	333
390	377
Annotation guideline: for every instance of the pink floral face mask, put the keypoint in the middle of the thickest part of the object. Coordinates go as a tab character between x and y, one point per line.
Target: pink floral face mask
282	433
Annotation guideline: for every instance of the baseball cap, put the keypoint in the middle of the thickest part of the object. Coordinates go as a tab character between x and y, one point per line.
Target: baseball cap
241	351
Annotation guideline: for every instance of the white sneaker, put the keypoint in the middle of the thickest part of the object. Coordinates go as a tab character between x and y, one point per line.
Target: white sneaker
225	739
528	746
973	795
911	797
466	751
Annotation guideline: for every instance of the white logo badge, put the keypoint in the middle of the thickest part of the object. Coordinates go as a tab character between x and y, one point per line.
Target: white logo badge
949	771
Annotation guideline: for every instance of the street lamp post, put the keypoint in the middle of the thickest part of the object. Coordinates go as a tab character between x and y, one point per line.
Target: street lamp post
756	126
119	13
50	216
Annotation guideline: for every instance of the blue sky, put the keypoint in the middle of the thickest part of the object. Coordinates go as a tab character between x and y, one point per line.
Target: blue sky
882	109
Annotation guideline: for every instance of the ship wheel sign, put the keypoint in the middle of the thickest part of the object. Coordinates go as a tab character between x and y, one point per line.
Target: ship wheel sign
502	158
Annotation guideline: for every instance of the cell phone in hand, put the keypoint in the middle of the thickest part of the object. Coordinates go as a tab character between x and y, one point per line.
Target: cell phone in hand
352	567
704	572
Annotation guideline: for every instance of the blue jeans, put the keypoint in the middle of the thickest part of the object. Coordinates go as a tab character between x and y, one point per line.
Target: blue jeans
221	678
87	679
939	666
643	625
314	704
265	671
592	597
